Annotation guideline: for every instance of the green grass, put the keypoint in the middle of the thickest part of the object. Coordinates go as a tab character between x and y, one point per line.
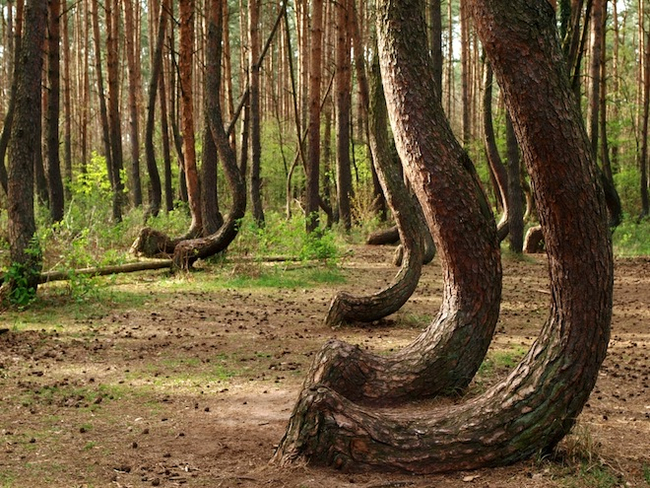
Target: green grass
500	360
631	239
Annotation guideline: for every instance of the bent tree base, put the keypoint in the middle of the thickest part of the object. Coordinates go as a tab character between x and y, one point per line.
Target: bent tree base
532	409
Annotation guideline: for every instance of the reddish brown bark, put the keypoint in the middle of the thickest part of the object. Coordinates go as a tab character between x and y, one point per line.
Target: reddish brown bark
532	409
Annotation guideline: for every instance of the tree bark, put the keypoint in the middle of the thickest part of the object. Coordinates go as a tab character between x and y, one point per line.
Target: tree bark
254	61
532	409
343	105
312	199
24	142
155	187
445	357
189	251
185	63
54	181
133	64
114	118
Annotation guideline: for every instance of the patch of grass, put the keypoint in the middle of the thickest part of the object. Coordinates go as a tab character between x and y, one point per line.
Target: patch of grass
415	320
499	360
7	479
632	239
278	277
646	473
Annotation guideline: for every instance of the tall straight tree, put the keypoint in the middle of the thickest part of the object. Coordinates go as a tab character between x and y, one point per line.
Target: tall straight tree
155	188
185	66
114	118
344	12
24	143
313	159
133	65
54	181
254	100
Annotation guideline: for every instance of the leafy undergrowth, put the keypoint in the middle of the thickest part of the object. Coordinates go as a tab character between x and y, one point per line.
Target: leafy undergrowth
188	380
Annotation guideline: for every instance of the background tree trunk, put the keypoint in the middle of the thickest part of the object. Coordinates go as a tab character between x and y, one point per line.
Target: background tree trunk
255	117
185	66
312	199
54	181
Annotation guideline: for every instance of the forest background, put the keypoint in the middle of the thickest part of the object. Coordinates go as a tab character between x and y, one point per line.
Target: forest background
114	133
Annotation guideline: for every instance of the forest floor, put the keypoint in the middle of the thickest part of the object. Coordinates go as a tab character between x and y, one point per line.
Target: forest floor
159	380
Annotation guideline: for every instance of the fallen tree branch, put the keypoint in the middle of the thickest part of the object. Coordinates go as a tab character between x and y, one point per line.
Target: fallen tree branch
104	270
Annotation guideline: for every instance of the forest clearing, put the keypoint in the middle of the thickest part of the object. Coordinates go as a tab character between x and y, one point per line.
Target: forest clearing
189	380
250	148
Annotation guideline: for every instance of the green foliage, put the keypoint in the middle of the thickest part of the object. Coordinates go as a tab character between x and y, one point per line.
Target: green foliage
628	185
21	293
286	238
632	239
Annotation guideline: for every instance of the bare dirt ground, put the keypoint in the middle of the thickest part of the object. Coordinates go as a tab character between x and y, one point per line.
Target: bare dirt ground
182	381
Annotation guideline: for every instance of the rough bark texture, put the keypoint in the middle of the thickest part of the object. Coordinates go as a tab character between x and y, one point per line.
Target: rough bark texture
24	142
515	196
447	354
537	404
346	307
383	237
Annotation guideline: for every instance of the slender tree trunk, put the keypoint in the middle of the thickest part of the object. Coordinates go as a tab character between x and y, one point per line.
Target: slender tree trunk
515	201
531	410
67	107
114	119
54	181
349	308
24	142
8	120
465	73
313	163
155	188
598	14
187	109
435	41
643	162
187	252
133	63
254	100
497	168
344	10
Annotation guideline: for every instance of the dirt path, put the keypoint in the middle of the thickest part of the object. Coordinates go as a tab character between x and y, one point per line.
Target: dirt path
187	382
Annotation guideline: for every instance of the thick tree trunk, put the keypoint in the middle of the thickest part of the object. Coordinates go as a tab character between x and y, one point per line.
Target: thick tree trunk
24	142
448	353
538	403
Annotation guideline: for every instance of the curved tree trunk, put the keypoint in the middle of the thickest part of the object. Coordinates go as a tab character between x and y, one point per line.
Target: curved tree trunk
538	403
497	168
346	307
448	353
189	251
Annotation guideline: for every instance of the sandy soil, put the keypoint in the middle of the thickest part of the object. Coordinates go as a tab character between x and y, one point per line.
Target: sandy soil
192	384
